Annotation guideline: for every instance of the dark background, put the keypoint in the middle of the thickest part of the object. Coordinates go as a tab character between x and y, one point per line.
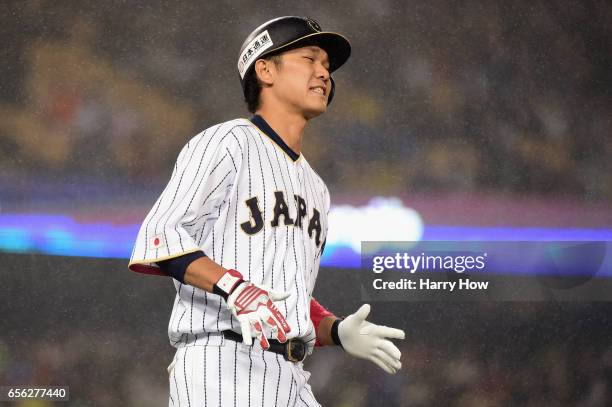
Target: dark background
472	113
100	329
439	96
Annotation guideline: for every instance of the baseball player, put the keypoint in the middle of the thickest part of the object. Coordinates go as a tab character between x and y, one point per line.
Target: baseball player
241	227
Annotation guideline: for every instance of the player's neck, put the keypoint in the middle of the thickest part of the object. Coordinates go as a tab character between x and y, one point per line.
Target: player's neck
289	127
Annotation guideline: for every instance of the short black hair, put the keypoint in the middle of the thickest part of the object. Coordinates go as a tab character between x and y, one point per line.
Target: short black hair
252	85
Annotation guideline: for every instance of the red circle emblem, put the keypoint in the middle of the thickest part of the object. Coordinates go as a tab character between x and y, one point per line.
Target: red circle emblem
156	241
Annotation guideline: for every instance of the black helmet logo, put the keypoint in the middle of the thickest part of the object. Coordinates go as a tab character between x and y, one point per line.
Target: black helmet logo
313	24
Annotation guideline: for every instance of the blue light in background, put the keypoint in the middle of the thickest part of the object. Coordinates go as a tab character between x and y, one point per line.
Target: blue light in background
62	235
13	239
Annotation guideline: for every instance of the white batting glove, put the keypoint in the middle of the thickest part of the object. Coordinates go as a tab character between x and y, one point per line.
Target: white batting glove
253	306
365	340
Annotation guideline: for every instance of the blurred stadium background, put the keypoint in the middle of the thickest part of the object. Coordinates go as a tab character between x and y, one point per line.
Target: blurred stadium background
483	120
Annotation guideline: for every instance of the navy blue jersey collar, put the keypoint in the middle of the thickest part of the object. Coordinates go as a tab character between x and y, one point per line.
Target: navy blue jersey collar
258	121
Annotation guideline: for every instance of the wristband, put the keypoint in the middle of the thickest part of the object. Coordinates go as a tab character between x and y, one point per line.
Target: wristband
334	332
228	283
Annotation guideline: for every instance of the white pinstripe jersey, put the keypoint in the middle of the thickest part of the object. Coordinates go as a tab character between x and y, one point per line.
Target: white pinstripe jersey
249	203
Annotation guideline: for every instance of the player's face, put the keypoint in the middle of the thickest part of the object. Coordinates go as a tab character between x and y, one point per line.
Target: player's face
302	81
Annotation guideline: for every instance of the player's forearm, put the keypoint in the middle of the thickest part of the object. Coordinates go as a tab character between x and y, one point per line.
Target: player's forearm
324	329
203	273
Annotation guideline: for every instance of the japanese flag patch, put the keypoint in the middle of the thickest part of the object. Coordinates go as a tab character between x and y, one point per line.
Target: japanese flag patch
157	241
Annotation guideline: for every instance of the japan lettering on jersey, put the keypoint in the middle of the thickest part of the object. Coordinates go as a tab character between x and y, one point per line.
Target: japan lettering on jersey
249	203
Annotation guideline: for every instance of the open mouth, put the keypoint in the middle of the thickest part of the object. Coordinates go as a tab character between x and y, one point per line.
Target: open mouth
318	89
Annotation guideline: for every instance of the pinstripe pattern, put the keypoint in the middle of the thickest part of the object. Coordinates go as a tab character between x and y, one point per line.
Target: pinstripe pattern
263	183
175	388
289	403
235	371
250	186
250	377
198	378
287	231
205	375
186	378
278	380
204	207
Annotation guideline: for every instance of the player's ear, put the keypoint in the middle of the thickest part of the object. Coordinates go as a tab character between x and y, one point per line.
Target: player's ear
263	70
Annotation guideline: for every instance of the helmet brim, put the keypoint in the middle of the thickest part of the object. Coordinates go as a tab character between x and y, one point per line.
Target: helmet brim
337	47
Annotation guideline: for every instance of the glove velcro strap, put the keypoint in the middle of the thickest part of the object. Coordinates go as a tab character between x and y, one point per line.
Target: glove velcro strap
227	283
249	294
334	332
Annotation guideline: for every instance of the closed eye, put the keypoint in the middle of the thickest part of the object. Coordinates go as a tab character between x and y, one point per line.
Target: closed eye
310	59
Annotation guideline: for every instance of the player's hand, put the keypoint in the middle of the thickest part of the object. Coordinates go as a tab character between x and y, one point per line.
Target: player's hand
253	306
365	340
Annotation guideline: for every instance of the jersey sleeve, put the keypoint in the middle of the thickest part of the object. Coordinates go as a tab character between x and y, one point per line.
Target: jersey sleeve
202	178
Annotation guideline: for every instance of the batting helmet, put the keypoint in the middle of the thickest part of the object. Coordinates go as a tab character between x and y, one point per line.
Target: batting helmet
285	33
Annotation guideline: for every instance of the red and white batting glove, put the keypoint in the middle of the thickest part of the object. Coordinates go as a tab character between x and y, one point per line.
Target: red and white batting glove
253	306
